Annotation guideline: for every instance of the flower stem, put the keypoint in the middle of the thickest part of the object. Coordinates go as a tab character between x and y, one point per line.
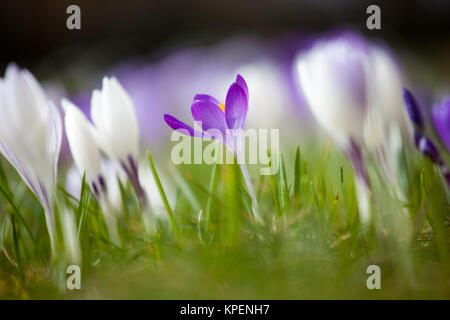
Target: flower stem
240	156
361	181
251	192
131	169
212	189
110	221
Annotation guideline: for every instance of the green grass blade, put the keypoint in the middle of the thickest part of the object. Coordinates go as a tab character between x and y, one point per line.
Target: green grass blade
297	173
173	224
22	221
212	190
284	195
83	205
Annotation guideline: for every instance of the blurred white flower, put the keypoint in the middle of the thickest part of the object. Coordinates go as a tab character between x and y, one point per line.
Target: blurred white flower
354	90
333	77
387	123
30	136
86	156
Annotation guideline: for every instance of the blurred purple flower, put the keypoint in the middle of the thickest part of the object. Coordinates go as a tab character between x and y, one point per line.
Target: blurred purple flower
441	121
427	147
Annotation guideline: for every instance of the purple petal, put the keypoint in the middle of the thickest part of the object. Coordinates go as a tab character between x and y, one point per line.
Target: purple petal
236	106
180	126
209	115
413	108
207	97
241	82
441	121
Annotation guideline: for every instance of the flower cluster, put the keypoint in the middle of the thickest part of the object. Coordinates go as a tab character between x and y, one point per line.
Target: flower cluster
30	137
441	121
353	88
34	155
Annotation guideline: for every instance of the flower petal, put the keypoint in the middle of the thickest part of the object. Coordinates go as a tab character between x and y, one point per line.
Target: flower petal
413	108
207	97
209	115
441	121
55	137
181	127
236	106
81	139
241	82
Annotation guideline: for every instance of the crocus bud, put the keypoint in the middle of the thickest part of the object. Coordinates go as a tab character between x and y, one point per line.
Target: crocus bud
116	129
413	109
30	136
83	147
115	121
441	121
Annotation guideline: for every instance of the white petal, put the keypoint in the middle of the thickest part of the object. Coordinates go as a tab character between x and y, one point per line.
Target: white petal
115	120
81	141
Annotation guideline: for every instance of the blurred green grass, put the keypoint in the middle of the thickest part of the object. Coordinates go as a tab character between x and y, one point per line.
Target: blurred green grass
312	244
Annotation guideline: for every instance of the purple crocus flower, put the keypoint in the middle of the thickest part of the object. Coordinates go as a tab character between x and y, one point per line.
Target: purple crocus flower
223	122
209	113
441	121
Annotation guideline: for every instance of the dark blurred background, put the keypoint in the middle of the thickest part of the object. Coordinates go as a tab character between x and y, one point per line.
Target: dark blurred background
35	30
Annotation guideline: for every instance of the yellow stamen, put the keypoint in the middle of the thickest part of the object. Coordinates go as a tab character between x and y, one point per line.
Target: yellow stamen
222	106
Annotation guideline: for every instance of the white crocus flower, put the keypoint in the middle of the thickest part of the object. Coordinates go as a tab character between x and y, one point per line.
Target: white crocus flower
387	123
353	89
112	174
116	129
83	147
333	77
30	137
86	156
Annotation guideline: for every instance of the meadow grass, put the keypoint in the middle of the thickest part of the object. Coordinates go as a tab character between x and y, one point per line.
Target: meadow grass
208	245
